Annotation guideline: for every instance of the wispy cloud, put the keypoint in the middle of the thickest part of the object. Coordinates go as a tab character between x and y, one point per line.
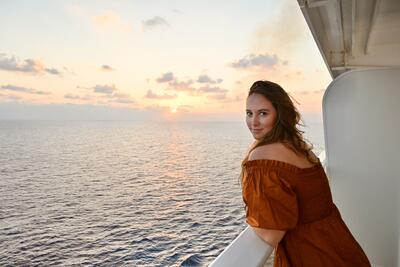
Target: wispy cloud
104	89
11	63
225	98
204	85
261	60
10	97
216	93
76	97
155	22
110	20
53	71
310	92
112	94
184	108
122	100
207	79
298	75
181	86
66	70
220	96
21	89
177	11
152	95
174	84
278	32
210	89
166	77
106	68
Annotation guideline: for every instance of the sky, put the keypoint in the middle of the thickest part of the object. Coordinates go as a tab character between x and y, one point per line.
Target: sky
152	60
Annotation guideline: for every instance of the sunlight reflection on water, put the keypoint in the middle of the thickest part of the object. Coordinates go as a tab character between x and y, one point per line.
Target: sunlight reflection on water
119	193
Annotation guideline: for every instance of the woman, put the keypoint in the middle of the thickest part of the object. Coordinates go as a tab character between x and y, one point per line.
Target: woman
286	191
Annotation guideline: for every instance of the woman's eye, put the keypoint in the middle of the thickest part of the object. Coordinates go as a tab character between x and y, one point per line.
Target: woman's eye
263	113
248	113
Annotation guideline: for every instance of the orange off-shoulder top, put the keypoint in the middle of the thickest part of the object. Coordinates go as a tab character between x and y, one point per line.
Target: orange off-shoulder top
281	196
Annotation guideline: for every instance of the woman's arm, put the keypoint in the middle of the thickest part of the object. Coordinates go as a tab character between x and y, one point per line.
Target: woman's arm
271	237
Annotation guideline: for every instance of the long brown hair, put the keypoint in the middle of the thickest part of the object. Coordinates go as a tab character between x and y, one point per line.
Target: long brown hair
288	119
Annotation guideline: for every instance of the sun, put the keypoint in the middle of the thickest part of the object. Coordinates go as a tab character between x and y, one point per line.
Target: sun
174	110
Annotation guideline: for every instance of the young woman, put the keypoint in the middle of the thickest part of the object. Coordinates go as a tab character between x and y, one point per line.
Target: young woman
286	191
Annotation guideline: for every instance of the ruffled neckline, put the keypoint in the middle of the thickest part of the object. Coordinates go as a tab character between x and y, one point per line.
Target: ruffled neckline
281	164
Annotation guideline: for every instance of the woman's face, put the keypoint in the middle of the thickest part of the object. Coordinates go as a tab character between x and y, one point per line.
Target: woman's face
260	115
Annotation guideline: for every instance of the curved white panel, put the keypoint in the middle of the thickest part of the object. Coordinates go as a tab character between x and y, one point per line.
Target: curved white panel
362	141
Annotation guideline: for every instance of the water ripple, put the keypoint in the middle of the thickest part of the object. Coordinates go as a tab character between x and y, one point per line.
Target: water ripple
119	193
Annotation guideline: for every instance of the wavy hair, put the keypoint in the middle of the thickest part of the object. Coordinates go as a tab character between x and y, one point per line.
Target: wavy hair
288	119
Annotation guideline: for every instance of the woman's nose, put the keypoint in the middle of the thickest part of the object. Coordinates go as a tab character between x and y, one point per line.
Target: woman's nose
254	121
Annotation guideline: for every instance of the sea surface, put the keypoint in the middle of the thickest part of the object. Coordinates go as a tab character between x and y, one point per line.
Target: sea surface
119	193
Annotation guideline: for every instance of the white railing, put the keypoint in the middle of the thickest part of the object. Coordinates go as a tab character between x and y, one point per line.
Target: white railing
248	249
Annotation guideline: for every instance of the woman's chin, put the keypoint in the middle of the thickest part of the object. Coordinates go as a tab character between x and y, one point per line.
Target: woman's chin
257	136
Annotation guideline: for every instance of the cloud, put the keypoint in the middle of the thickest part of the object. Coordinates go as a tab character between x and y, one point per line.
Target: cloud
260	60
53	71
216	93
212	92
106	68
83	87
223	97
121	95
166	77
156	108
27	65
76	97
186	106
220	96
174	84
155	22
10	97
105	89
21	89
206	79
152	95
122	100
110	20
181	86
68	71
309	92
110	92
318	91
298	75
283	30
209	89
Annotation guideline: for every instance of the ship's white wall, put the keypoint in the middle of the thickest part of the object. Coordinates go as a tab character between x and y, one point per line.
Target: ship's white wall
362	140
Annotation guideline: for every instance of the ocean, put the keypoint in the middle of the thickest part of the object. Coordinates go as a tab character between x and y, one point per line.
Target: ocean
121	193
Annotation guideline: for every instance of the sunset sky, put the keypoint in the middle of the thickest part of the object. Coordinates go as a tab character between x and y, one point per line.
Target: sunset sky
158	60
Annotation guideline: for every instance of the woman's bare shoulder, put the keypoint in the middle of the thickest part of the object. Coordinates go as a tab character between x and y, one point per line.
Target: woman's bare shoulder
280	152
269	151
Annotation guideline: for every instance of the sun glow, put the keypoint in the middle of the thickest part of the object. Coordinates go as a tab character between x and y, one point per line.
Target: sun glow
174	110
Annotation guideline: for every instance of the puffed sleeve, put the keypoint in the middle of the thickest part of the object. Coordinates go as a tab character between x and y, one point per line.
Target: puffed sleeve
270	201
